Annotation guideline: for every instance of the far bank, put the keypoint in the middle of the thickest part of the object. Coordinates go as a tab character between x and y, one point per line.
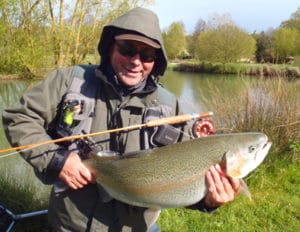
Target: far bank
260	70
289	71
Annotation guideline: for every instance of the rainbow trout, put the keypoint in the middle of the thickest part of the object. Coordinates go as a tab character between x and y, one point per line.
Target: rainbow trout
174	175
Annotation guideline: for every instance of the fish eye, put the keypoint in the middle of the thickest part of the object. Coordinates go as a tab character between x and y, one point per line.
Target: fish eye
252	148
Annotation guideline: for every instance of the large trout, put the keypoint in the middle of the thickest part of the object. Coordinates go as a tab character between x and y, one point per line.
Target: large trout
174	175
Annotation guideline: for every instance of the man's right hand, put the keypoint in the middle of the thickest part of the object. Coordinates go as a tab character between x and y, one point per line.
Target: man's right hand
75	174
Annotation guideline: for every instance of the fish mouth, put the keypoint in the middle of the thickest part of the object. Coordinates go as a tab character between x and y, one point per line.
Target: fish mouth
267	145
262	153
263	149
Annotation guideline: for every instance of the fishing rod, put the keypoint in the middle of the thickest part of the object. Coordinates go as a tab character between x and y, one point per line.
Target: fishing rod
153	123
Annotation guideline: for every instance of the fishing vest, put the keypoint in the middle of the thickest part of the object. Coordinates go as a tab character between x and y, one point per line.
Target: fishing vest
78	110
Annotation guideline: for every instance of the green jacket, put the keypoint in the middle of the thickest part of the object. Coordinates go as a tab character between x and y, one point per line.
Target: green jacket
32	120
41	105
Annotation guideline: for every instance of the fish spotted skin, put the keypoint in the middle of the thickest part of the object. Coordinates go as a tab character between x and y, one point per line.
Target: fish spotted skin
174	175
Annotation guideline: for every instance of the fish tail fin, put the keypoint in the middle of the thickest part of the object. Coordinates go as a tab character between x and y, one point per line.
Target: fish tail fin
151	215
245	190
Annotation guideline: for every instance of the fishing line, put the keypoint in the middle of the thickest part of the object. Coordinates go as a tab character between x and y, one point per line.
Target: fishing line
17	152
10	154
183	132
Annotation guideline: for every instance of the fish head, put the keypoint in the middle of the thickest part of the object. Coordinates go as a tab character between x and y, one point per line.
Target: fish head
248	153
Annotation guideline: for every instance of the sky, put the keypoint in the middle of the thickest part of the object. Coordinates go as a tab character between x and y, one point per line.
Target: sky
250	15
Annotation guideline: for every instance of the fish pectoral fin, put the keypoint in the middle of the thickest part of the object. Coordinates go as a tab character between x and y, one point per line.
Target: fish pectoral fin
151	215
245	190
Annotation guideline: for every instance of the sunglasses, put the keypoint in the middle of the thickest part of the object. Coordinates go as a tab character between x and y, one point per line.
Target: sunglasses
147	55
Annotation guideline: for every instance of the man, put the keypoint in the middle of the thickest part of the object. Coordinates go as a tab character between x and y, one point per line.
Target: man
120	92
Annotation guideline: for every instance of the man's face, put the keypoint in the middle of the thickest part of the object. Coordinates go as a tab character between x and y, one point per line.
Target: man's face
132	61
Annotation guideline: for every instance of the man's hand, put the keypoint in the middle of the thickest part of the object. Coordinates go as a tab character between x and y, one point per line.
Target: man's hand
75	174
221	189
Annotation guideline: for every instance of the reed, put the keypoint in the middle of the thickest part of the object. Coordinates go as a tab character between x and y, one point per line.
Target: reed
261	70
267	105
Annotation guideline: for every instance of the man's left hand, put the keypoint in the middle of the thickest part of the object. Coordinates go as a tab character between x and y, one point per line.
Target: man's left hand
221	188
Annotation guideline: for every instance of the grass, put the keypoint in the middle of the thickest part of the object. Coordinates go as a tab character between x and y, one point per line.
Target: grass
19	197
275	204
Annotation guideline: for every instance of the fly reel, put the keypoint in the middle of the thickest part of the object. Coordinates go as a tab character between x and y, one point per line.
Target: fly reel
203	128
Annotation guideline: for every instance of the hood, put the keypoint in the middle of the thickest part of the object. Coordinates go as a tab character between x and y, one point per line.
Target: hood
138	21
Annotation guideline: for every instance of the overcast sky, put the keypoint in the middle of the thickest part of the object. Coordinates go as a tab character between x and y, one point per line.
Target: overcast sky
251	15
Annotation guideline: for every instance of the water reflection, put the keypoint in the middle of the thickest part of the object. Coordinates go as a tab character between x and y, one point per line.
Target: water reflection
10	92
13	166
194	90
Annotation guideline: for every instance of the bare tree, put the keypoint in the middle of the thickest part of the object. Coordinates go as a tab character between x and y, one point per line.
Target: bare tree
55	32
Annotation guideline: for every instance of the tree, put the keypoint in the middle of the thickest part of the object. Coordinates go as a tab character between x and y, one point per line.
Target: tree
191	39
293	22
285	43
36	33
23	37
215	20
200	27
265	50
225	43
174	40
75	28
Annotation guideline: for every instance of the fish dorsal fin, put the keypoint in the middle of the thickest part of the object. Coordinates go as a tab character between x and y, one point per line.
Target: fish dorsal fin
151	215
245	190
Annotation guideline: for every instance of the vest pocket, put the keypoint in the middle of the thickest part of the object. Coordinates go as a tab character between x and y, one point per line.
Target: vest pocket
76	115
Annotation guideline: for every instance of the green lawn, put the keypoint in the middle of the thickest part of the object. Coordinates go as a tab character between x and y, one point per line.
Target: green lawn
275	205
